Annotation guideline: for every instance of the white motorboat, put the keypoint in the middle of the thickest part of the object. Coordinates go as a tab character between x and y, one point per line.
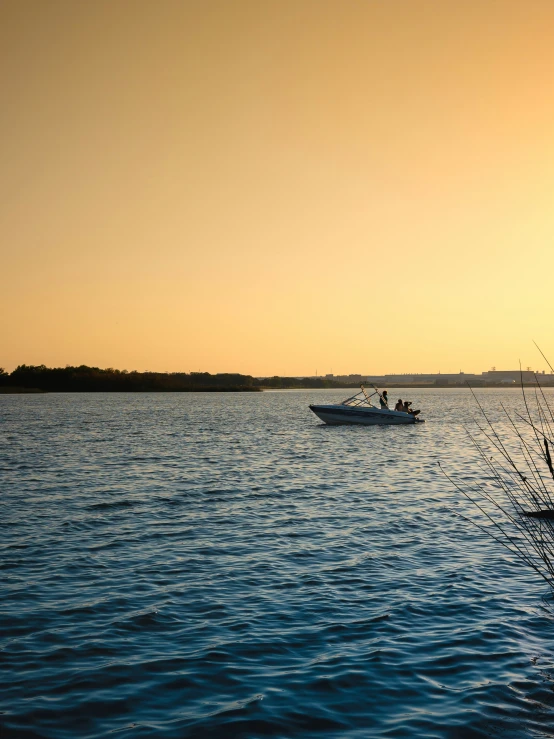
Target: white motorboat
360	409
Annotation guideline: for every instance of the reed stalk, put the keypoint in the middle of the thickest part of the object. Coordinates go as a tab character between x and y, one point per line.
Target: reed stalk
514	503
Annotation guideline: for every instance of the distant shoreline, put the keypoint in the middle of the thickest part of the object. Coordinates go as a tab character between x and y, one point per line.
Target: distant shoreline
10	390
30	379
35	390
38	391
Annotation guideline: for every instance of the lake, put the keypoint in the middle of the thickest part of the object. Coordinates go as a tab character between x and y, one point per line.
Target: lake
224	565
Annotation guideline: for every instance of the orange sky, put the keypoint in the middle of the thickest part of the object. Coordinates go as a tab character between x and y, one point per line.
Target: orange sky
277	186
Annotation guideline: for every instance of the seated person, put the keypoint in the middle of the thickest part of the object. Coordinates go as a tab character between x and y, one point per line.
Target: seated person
407	408
399	406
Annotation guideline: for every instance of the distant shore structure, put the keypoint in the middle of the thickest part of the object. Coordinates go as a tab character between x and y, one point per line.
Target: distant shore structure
490	377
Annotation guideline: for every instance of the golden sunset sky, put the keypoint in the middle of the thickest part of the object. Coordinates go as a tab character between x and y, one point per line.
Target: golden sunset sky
277	186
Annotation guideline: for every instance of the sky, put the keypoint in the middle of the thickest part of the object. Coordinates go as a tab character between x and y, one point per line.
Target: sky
277	186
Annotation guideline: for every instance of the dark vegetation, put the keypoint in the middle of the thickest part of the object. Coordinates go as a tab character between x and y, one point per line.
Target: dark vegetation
85	379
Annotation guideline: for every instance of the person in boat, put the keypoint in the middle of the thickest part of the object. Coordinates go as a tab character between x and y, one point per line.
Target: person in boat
407	408
399	406
384	400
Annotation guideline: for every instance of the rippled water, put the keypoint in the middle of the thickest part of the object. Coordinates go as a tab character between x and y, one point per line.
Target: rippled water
223	565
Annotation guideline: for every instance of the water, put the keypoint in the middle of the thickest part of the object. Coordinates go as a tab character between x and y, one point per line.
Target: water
222	565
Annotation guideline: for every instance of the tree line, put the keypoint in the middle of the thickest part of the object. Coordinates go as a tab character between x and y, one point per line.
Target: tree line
93	379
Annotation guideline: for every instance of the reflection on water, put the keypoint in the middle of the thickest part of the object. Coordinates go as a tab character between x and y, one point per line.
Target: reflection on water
225	566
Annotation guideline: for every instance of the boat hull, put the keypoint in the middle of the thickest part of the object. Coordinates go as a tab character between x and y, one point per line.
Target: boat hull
336	415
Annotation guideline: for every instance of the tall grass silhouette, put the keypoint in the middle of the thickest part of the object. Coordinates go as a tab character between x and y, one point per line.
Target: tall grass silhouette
514	500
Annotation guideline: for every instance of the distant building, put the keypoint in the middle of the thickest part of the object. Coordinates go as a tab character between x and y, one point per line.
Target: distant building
508	376
350	379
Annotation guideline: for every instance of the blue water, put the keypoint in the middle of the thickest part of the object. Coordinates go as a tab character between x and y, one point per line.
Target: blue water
223	565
